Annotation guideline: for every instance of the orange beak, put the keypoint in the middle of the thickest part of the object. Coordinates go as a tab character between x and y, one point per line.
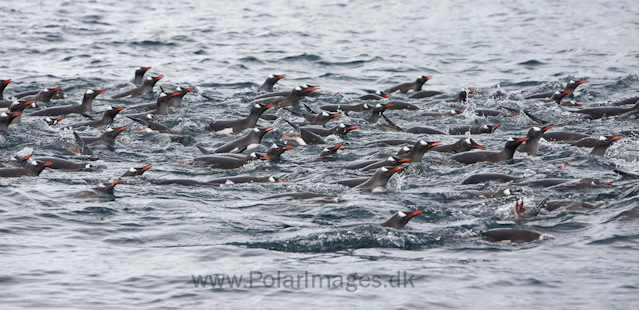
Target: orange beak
119	109
461	111
581	82
47	164
521	140
479	147
147	167
157	78
267	107
433	144
287	147
100	91
416	212
613	138
353	127
403	160
267	129
566	93
546	128
6	82
116	182
121	128
398	168
385	95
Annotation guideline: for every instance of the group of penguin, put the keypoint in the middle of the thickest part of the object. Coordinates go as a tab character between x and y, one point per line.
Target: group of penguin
311	130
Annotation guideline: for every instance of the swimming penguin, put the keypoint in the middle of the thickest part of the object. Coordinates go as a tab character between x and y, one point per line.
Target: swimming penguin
53	121
418	150
33	169
241	144
377	112
56	163
570	88
41	97
489	177
531	146
462	145
104	189
445	114
479	194
567	183
145	88
18	106
340	129
3	85
557	97
406	87
632	100
107	138
588	142
290	100
487	156
136	171
377	95
176	100
474	130
227	162
398	220
306	137
276	150
567	204
603	144
330	150
462	96
106	119
267	86
401	105
246	179
316	118
160	107
301	195
5	121
360	107
425	94
139	75
388	162
153	126
236	126
512	235
83	108
379	179
563	136
600	112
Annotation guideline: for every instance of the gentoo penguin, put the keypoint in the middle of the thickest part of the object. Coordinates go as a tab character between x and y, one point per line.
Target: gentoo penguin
104	189
445	114
627	175
567	204
145	88
474	130
340	129
56	163
106	119
404	150
107	138
32	169
292	99
151	126
306	137
241	144
360	107
406	87
379	179
632	100
462	145
53	121
567	183
139	75
226	162
83	108
160	107
588	142
3	85
267	86
569	89
18	106
563	136
246	179
5	120
489	177
462	96
236	126
377	95
136	171
512	235
175	101
425	94
479	194
276	150
401	105
300	195
377	112
330	150
557	97
391	161
488	112
418	150
487	156
531	146
388	162
398	220
603	144
600	112
41	97
315	118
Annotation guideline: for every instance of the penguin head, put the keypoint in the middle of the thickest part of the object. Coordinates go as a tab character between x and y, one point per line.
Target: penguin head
472	144
400	219
515	142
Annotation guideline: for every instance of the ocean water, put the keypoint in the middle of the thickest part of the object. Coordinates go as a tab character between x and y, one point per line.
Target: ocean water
152	246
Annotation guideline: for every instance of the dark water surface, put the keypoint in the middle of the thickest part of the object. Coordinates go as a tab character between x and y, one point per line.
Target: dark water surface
141	248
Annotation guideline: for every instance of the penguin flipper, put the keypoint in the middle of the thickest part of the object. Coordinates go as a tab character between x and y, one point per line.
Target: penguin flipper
310	109
203	150
310	137
292	124
390	123
124	94
84	149
535	118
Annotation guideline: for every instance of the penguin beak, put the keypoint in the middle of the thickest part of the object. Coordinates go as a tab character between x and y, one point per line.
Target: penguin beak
16	114
310	89
546	128
56	89
266	107
335	148
608	183
285	180
5	82
279	77
116	182
287	147
335	115
25	158
175	94
385	95
47	164
265	158
520	140
563	166
566	93
461	111
120	129
157	78
119	109
416	212
145	168
403	160
59	118
353	127
146	68
398	168
267	129
472	90
579	105
388	105
495	127
28	102
477	146
189	89
426	78
433	144
613	138
580	82
100	91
